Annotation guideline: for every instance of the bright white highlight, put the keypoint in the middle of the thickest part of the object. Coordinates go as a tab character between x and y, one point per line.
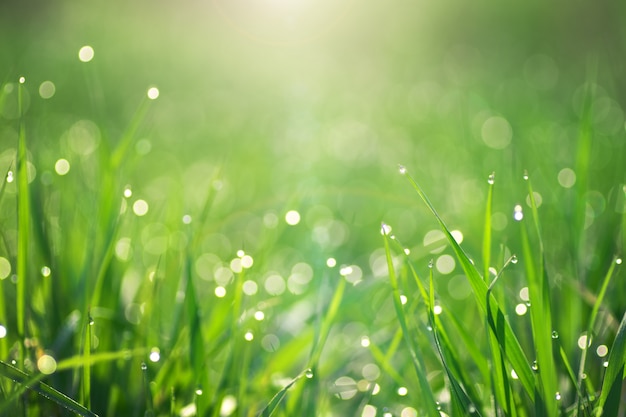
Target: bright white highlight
86	53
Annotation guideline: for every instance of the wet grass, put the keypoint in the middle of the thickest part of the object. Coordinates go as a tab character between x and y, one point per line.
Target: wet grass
226	257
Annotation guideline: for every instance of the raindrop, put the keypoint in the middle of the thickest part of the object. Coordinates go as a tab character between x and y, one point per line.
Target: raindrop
525	176
492	178
91	321
558	396
618	261
199	390
308	373
430	264
429	328
605	364
534	366
518	214
438	406
144	366
402	169
385	229
407	251
471	408
10	176
514	259
555	335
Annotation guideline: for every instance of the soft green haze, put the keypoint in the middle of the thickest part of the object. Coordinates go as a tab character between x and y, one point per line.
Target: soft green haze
266	108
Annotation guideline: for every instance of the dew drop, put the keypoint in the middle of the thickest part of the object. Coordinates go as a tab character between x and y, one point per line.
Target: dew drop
308	373
402	169
91	321
555	334
605	364
10	176
385	229
471	408
144	366
534	366
22	80
557	396
518	214
407	251
430	264
514	259
525	175
492	178
429	328
198	390
438	406
618	261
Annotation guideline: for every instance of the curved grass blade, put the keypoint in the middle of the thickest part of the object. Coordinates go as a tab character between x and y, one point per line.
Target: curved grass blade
614	375
501	328
275	401
461	402
42	389
428	399
590	327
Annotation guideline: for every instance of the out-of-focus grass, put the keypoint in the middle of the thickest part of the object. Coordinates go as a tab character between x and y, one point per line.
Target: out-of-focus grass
222	298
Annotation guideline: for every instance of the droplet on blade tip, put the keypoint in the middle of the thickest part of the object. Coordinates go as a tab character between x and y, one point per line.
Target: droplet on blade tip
402	169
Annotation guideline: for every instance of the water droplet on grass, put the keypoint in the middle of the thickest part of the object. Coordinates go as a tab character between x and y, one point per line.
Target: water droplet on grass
557	396
605	364
471	408
430	264
308	373
492	178
525	175
10	176
518	214
22	80
534	366
402	169
514	259
198	390
385	229
144	367
555	335
618	261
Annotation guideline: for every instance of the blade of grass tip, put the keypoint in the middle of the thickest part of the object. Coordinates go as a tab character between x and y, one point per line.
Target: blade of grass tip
614	375
487	227
42	389
508	342
119	153
269	409
427	395
461	403
23	224
592	322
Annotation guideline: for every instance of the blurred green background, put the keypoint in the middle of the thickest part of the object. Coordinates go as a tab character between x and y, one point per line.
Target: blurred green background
309	106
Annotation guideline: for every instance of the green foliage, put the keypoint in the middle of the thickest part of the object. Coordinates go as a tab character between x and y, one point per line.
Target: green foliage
216	250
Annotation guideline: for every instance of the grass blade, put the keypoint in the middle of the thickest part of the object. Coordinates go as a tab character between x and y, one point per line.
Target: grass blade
23	224
427	395
540	314
275	401
461	402
507	340
42	389
614	375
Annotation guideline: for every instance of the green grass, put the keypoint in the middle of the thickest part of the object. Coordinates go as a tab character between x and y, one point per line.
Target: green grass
216	302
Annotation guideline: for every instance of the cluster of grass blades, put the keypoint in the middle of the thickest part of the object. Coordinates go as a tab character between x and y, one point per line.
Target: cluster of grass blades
512	384
70	345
